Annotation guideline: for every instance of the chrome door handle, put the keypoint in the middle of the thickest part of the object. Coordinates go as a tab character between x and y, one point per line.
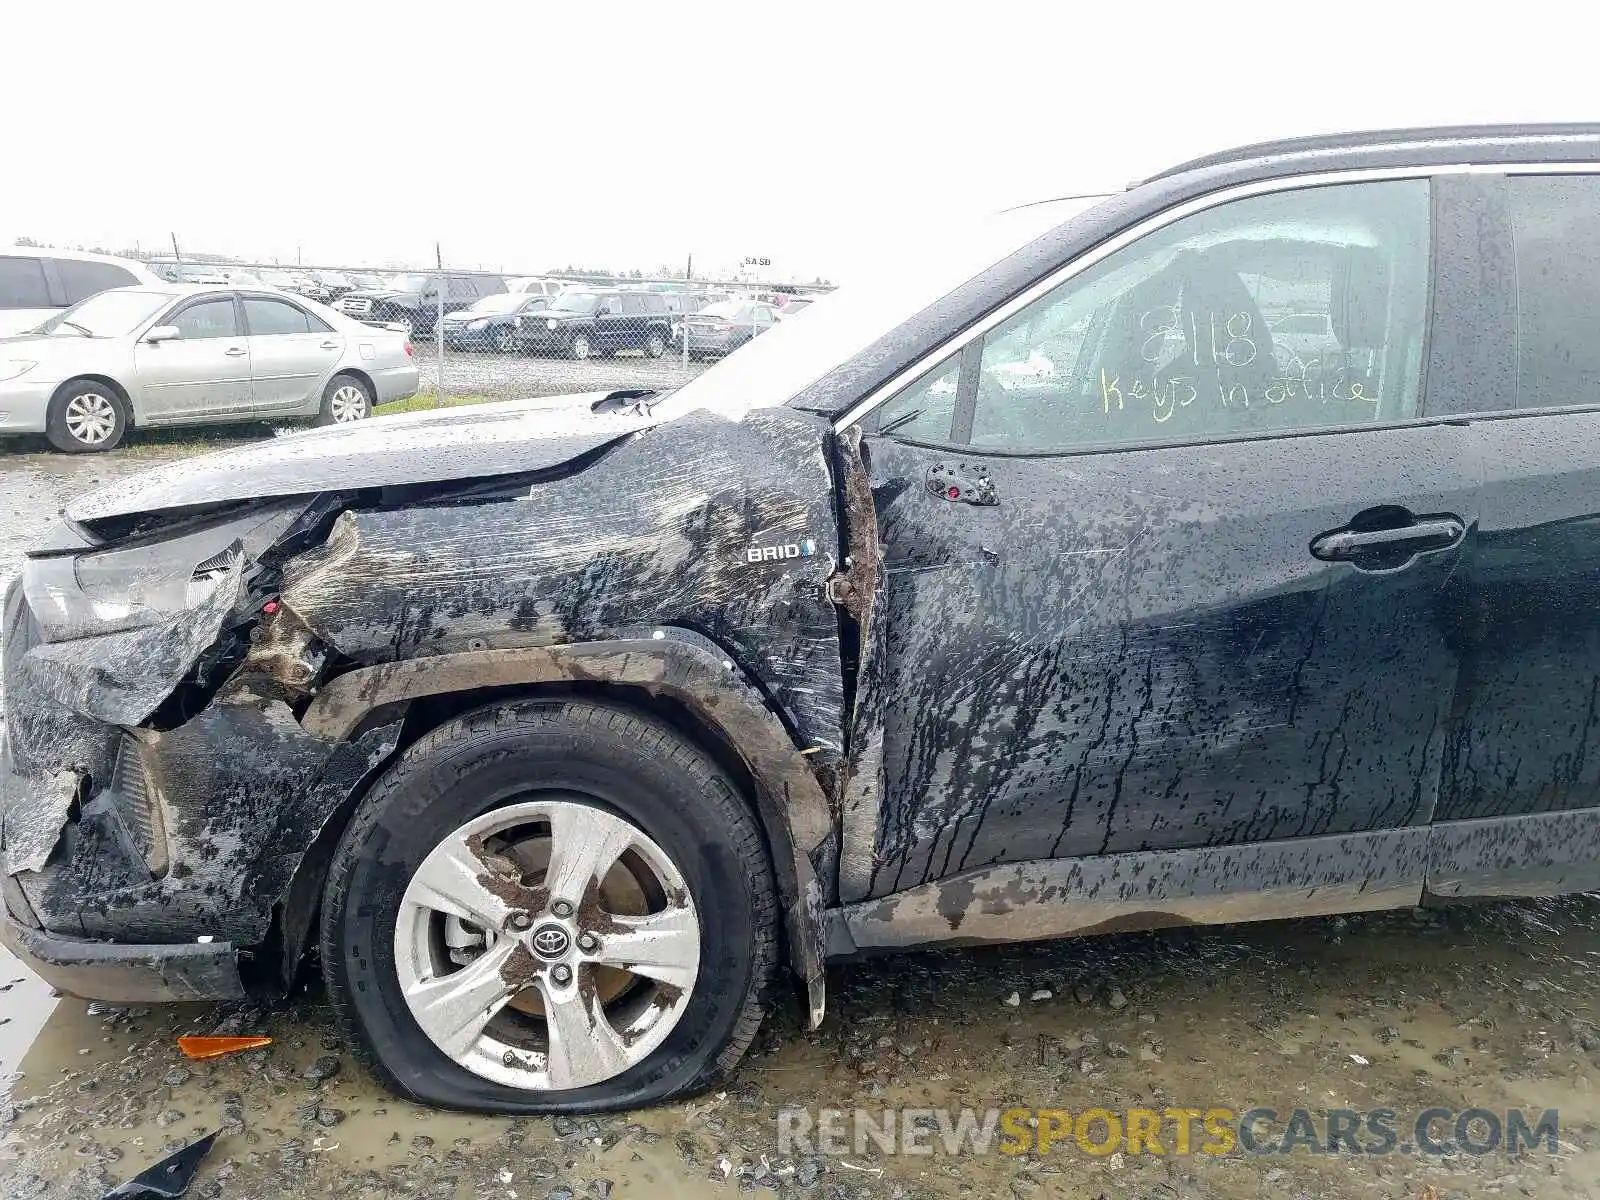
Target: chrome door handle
330	345
1392	546
234	351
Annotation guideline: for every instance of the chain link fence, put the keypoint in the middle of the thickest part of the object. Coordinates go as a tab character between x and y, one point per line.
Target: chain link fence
480	336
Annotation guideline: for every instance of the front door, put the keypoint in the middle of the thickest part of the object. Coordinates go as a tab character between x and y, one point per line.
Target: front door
610	325
291	353
205	370
1150	580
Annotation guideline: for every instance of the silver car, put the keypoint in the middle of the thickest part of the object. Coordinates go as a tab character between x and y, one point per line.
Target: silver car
180	354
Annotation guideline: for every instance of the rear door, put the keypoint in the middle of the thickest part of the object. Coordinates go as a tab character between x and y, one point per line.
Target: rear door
1152	581
205	370
1526	739
630	333
76	279
292	353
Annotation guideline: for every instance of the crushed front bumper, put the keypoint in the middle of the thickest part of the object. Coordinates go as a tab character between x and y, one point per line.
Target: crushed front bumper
126	974
145	863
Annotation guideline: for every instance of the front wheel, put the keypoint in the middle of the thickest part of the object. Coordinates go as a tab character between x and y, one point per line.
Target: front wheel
84	416
344	400
505	340
580	347
550	906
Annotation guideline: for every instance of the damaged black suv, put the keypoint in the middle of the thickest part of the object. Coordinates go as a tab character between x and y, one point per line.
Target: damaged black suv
1225	550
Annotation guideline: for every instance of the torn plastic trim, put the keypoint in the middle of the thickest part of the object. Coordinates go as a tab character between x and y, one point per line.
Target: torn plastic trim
675	663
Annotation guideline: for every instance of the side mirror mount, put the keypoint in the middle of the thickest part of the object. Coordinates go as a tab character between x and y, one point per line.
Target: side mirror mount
163	333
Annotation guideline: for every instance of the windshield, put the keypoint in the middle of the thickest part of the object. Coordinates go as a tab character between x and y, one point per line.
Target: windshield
504	302
575	302
109	314
406	283
780	364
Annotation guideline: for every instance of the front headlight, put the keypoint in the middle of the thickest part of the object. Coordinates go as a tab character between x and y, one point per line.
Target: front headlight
551	324
105	591
13	368
480	324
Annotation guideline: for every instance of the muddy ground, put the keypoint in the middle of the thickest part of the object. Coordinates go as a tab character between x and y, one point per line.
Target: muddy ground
1491	1006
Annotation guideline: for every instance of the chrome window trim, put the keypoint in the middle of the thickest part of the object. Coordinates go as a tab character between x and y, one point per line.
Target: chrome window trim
1261	187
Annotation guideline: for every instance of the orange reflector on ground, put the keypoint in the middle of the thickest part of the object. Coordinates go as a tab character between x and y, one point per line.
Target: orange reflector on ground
216	1047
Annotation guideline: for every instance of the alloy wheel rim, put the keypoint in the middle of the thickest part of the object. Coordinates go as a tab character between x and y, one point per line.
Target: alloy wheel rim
504	342
91	418
580	347
348	403
513	963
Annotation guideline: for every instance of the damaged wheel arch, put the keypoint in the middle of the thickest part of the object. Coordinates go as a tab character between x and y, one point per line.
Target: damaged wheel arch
666	664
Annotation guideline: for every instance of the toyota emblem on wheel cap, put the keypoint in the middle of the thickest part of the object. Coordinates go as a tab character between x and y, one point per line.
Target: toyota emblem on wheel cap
551	941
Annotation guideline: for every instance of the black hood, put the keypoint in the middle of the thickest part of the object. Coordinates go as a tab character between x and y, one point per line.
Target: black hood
428	447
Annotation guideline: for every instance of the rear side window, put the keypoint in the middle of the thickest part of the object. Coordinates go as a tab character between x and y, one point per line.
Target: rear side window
80	280
267	317
1284	312
22	283
1555	228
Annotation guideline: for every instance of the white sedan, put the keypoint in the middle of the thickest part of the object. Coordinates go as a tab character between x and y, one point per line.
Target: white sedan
180	354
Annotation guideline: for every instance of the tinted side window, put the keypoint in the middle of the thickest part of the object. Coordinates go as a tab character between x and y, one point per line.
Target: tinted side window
610	305
81	280
655	303
1555	227
207	319
461	288
1289	311
266	317
22	283
633	304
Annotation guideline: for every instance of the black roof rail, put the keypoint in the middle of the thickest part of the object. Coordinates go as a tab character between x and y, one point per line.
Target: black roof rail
1379	137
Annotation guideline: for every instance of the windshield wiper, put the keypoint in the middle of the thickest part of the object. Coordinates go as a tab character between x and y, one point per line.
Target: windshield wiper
896	422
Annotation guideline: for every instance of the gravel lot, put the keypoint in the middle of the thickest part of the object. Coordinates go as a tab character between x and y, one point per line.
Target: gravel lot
1491	1006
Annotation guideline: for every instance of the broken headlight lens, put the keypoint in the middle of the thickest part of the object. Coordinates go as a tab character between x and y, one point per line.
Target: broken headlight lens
105	591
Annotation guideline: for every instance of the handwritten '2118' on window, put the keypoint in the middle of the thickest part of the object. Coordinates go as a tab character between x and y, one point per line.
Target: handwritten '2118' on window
1191	357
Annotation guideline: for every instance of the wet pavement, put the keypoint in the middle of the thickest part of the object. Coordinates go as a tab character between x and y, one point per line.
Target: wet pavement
1491	1006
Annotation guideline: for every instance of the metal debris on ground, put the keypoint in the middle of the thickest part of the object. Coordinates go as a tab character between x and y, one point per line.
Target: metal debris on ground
168	1178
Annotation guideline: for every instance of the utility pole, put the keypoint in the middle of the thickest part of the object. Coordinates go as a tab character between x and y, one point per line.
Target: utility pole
438	328
176	253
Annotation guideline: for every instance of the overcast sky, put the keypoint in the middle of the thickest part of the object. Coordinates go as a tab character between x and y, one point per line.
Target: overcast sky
528	135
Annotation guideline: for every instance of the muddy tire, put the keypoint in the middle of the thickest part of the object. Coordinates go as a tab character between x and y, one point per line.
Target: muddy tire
655	965
86	416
